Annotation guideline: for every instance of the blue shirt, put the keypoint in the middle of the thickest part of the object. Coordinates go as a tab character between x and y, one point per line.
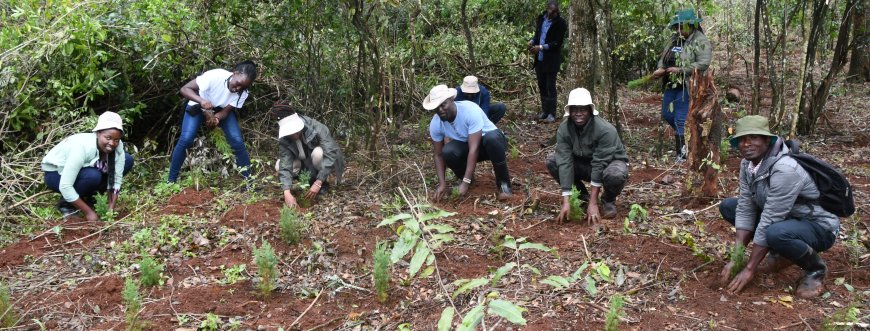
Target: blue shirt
545	26
481	98
469	119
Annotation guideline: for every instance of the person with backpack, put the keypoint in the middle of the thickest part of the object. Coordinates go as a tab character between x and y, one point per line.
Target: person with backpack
778	210
214	98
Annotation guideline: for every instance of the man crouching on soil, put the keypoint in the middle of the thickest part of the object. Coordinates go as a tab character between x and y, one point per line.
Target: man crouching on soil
775	210
473	138
588	148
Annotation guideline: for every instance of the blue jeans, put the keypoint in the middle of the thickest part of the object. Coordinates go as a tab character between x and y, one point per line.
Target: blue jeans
496	112
492	148
89	181
190	126
675	108
790	238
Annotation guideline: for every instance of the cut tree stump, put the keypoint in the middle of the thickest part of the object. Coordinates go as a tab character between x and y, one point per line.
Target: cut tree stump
703	138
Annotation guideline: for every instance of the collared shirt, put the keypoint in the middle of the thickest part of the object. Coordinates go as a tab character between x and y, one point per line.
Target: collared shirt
754	168
545	26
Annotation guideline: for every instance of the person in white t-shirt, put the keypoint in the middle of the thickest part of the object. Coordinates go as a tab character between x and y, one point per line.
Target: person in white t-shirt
214	96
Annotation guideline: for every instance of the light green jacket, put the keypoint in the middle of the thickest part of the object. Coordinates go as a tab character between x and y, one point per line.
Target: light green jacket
74	153
697	54
314	135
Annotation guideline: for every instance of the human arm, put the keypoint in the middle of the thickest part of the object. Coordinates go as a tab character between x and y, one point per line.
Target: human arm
592	213
120	164
474	140
700	55
191	92
437	146
565	165
748	273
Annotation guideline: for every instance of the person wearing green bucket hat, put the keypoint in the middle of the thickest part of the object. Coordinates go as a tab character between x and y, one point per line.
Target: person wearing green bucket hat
777	209
687	50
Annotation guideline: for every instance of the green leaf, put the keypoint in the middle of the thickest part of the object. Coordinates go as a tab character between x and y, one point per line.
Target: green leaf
420	255
603	271
503	270
576	275
470	285
440	228
472	319
556	281
590	286
404	245
439	239
537	246
427	272
436	214
532	269
509	242
508	310
394	219
446	319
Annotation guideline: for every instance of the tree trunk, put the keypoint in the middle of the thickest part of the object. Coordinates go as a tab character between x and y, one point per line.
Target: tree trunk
859	67
805	116
703	137
583	33
472	63
609	60
756	63
820	97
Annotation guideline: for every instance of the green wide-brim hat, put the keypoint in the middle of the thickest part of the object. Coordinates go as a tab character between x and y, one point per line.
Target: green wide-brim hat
752	124
685	16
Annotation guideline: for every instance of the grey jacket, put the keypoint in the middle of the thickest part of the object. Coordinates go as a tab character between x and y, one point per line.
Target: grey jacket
315	134
780	190
697	54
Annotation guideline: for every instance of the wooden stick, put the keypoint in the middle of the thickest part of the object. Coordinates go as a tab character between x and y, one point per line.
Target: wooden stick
306	310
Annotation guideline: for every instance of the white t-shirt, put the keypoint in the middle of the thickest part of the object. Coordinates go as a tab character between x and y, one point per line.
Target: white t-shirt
213	87
469	119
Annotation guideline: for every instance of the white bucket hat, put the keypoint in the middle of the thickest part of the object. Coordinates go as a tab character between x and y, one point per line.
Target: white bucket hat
580	97
109	120
437	95
290	125
469	85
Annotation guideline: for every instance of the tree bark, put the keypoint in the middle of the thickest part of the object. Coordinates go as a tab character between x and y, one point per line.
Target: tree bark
756	63
583	33
468	41
801	125
859	66
609	44
703	137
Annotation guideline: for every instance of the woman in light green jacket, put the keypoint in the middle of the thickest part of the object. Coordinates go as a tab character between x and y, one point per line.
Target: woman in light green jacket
84	164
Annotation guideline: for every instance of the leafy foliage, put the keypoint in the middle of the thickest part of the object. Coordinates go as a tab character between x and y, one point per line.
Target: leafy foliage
149	271
611	320
132	304
737	256
101	207
291	226
266	261
576	211
381	271
8	318
417	235
233	274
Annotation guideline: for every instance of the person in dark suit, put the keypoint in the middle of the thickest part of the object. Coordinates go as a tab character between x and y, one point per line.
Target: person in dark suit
550	29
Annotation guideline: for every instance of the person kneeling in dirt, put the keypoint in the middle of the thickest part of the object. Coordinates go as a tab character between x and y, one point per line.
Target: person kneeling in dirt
473	138
776	209
304	144
84	164
473	91
588	148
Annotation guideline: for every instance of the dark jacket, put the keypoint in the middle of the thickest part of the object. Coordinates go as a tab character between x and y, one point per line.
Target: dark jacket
315	134
481	99
555	37
780	190
597	142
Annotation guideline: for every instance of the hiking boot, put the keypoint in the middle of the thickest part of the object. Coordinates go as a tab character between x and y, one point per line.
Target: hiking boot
504	191
608	210
550	118
324	189
541	116
502	180
65	208
812	284
774	263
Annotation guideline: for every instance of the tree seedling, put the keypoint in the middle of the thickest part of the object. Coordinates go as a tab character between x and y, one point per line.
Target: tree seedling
611	320
266	261
132	304
381	271
737	256
291	226
7	313
454	194
101	207
149	271
577	212
303	185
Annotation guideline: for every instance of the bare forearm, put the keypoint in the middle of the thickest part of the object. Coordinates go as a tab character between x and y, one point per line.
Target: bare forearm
593	195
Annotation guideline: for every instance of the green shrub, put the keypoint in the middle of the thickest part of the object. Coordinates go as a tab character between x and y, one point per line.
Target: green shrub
381	271
576	212
291	226
133	304
611	320
8	317
149	271
266	261
303	186
101	207
233	274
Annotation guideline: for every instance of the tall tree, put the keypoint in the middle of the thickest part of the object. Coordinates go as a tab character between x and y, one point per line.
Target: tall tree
820	11
468	41
859	65
756	58
583	33
703	137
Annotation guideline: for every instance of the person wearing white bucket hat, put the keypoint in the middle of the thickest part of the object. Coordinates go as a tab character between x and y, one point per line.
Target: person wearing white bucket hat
473	138
305	144
588	148
473	91
85	164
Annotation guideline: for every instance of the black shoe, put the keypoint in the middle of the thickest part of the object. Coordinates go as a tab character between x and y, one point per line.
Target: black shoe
504	191
812	284
324	189
542	116
65	208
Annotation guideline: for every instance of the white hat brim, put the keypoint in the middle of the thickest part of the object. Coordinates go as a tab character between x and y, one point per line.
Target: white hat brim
430	104
290	125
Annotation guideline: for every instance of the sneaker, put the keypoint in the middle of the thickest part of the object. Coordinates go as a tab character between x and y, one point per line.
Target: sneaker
550	118
608	210
65	208
542	116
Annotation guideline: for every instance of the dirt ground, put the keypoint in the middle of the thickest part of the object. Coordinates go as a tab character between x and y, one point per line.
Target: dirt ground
666	266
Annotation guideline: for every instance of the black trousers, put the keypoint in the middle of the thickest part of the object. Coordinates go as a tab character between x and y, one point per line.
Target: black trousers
492	148
613	179
547	88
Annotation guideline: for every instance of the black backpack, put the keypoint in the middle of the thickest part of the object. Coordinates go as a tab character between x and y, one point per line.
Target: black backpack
835	192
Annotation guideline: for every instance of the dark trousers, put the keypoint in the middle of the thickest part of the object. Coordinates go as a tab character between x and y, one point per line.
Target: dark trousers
190	126
791	238
547	88
613	178
89	181
496	112
492	148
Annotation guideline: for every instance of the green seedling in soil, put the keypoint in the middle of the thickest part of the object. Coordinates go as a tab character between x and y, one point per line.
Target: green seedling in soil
303	185
8	317
737	256
637	214
454	194
217	137
611	320
843	319
576	212
233	275
266	261
381	271
132	304
149	271
291	226
211	322
515	152
101	207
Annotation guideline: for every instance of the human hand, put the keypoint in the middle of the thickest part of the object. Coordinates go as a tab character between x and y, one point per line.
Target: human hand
659	72
563	214
592	214
312	192
725	275
439	192
210	119
91	216
740	281
206	105
110	203
289	199
463	189
674	70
